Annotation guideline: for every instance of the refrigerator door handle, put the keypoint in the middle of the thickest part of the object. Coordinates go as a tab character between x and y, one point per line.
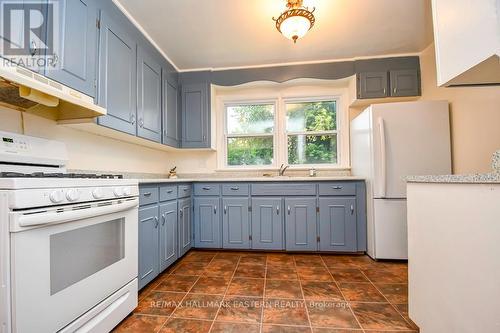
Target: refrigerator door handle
383	166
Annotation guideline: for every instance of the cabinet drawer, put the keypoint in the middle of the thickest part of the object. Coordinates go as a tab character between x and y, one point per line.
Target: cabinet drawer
284	189
168	193
206	189
337	189
184	191
235	189
148	195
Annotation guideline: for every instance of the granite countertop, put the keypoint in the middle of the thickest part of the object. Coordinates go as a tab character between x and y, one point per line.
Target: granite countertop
480	178
244	179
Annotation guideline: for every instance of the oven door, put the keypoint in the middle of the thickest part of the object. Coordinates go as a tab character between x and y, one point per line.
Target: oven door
66	260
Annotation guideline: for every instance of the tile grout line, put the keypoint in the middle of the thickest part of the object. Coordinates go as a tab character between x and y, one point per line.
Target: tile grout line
303	295
225	293
345	299
261	325
187	293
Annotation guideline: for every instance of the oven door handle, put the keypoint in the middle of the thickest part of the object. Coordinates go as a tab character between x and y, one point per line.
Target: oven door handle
32	220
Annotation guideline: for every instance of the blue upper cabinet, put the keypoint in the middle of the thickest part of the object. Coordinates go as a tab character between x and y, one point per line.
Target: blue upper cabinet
77	44
170	107
195	116
195	93
149	98
117	76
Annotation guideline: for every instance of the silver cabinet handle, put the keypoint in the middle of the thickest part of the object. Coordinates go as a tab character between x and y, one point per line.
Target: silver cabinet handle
206	188
225	209
181	213
277	210
164	218
395	89
141	122
33	48
235	188
185	189
132	119
385	91
156	222
352	209
170	191
215	209
56	59
288	209
337	187
147	194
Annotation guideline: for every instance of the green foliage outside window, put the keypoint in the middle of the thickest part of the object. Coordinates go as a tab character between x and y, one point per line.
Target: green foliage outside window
311	129
312	117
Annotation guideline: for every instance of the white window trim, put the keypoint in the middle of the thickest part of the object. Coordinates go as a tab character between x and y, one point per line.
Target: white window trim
280	134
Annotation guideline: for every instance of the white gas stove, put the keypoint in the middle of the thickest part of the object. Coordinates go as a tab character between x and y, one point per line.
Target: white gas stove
68	241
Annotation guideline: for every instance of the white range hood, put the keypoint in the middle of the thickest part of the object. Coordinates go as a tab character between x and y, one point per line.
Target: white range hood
28	91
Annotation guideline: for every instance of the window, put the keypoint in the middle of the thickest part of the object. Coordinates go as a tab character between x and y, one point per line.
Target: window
249	135
298	131
311	130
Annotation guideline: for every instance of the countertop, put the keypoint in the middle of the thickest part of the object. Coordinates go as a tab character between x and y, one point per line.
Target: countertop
480	178
245	179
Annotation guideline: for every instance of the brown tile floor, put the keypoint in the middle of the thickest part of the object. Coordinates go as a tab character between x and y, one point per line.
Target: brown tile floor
240	292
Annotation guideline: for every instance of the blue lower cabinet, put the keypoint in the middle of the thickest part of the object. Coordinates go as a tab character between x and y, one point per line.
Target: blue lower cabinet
235	223
267	225
148	245
207	224
168	234
184	226
337	219
300	224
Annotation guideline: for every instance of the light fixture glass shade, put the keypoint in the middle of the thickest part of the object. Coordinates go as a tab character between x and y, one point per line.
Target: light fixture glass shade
295	27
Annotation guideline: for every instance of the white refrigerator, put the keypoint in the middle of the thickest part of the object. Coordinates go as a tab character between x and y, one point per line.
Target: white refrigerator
389	142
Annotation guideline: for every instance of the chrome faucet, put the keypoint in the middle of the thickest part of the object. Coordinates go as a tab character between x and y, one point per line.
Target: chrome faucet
282	169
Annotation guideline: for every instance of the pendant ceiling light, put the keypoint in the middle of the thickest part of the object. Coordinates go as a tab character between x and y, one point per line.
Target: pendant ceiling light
296	21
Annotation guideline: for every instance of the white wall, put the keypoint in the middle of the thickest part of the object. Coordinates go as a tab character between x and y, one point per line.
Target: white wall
89	151
475	118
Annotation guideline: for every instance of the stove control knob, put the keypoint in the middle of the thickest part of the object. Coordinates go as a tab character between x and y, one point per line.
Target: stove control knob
72	195
127	191
118	192
97	193
56	196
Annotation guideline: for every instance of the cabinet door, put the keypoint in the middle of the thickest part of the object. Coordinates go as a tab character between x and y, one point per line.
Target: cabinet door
300	224
148	96
117	76
168	234
267	223
195	117
148	245
372	85
235	223
184	226
77	55
337	219
207	222
170	114
25	32
405	83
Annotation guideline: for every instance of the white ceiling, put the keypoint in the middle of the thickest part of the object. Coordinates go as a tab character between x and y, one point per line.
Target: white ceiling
197	34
